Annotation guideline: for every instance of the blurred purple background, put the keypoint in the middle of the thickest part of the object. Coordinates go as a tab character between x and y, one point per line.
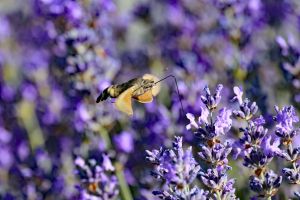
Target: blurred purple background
56	56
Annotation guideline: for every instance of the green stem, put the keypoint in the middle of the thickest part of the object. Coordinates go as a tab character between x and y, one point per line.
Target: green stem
124	188
125	191
211	117
105	135
27	117
187	192
218	196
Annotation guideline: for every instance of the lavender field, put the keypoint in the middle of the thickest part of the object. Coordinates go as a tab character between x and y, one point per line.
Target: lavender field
227	128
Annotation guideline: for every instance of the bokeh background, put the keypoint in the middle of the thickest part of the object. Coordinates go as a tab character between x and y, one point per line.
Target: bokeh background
56	56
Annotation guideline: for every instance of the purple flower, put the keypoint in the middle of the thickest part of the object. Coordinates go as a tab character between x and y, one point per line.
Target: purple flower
203	118
292	154
212	100
124	142
217	180
266	187
216	155
7	157
223	122
96	178
257	159
207	128
193	123
198	194
283	44
285	119
177	167
247	110
292	174
212	150
238	94
271	147
5	29
252	137
259	121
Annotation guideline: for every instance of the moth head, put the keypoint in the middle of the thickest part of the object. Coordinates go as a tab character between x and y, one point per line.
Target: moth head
153	79
103	96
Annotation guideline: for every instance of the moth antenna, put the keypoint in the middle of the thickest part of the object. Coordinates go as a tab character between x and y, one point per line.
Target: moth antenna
176	83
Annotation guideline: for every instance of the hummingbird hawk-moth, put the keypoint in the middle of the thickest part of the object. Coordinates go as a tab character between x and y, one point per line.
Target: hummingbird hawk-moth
141	89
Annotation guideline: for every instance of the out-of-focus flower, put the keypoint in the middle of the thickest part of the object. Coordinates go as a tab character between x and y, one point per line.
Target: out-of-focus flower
5	29
97	180
124	142
5	150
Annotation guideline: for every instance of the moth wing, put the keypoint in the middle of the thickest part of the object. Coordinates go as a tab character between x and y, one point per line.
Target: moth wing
147	97
123	102
156	88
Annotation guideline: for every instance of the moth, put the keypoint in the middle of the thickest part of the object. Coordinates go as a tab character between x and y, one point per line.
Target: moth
141	89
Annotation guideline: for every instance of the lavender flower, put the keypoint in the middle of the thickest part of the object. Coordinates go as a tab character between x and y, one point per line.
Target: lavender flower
217	180
288	59
286	131
292	174
206	128
6	152
97	180
284	127
247	110
213	151
223	122
212	101
178	168
124	142
257	148
216	155
266	187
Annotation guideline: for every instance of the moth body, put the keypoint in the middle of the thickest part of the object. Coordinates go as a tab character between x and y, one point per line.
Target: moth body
115	90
